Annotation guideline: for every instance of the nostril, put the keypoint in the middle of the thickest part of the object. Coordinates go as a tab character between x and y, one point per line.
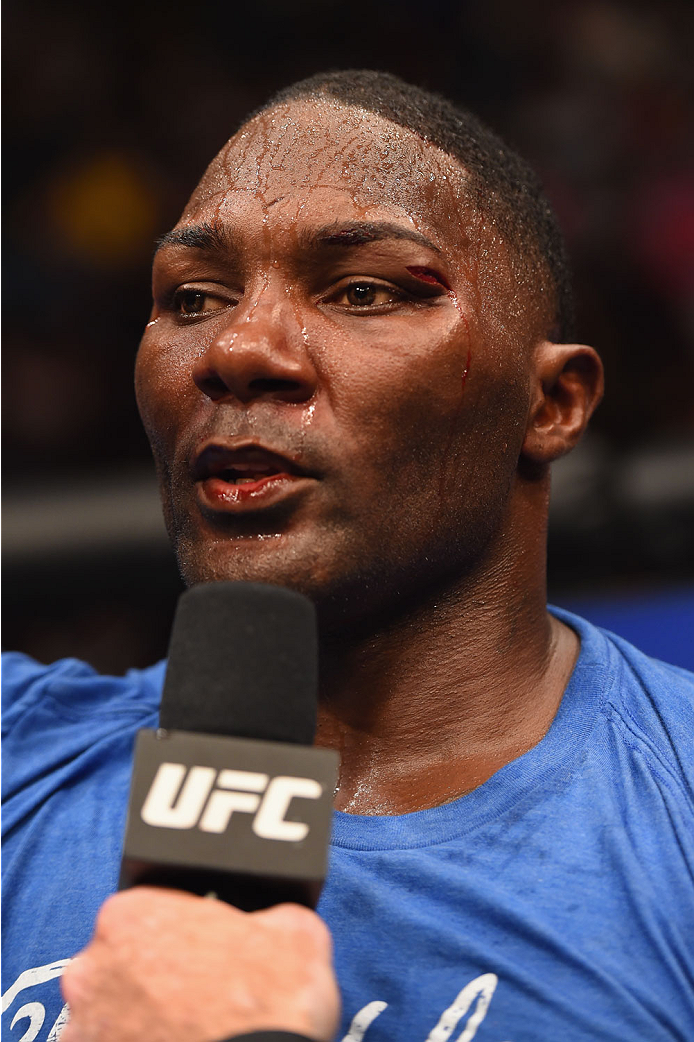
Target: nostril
212	385
267	385
253	368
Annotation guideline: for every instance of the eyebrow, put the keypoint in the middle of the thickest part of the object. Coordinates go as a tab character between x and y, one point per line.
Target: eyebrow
211	236
361	233
205	236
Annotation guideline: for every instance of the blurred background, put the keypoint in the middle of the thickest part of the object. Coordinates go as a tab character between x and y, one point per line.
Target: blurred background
112	113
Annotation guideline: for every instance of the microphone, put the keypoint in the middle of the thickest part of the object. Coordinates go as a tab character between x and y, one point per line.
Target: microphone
228	797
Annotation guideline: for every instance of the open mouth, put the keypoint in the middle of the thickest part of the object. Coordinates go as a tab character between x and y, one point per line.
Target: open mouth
247	475
230	478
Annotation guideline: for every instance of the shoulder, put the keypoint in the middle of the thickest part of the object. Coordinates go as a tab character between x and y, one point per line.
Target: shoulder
73	689
64	723
649	702
55	717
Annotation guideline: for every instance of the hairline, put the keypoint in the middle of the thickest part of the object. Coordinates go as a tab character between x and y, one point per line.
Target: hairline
318	97
468	176
499	182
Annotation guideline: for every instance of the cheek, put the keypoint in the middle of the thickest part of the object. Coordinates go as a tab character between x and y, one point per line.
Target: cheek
400	396
439	429
164	390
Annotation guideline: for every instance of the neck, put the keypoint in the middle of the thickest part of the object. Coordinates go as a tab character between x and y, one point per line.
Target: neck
431	703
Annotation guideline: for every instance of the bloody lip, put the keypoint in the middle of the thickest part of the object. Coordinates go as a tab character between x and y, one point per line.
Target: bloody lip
219	495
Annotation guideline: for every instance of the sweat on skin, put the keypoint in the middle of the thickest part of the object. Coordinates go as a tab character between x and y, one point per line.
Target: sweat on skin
418	417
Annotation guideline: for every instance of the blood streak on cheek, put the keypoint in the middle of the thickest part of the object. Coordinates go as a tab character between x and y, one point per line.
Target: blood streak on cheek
428	275
466	370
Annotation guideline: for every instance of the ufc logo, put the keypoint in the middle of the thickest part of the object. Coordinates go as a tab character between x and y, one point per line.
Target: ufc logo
175	803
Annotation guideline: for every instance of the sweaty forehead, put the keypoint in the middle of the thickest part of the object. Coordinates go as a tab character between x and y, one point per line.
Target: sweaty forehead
309	161
297	149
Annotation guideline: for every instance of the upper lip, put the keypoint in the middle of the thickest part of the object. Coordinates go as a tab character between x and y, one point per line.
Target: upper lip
216	457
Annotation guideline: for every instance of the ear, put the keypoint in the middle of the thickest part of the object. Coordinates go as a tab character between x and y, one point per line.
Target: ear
568	385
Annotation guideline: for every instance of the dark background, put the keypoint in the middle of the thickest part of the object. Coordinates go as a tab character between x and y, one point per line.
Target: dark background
111	114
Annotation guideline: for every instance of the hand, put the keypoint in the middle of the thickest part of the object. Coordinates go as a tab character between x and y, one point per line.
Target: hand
165	966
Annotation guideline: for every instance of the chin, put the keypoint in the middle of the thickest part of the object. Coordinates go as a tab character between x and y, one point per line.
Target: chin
345	598
258	558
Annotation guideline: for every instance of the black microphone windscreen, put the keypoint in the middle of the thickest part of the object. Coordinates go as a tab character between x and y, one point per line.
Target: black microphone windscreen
243	661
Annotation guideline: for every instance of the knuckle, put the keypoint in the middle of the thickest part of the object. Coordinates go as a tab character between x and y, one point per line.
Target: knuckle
111	914
74	978
305	927
119	910
290	917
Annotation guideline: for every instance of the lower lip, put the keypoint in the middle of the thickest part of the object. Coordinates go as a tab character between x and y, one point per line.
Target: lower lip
219	495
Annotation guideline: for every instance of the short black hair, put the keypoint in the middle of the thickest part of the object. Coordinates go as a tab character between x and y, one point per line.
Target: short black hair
500	182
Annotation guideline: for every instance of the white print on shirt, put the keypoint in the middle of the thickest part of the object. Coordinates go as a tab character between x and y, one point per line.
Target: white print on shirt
35	1012
481	988
477	994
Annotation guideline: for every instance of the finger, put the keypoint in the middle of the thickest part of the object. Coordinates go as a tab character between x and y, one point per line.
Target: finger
300	923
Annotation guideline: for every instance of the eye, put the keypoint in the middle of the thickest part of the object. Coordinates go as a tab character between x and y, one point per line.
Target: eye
195	302
366	295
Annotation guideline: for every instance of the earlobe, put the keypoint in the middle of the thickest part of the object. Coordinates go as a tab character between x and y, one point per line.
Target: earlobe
567	387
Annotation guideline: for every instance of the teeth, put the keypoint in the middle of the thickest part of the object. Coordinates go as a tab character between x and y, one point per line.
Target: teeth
234	477
246	473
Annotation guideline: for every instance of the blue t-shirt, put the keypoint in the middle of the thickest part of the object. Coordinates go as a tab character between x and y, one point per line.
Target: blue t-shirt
554	902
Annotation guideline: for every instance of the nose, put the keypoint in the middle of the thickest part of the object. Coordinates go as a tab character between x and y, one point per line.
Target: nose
261	356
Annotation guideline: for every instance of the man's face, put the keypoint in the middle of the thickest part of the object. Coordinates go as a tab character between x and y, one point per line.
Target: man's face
332	381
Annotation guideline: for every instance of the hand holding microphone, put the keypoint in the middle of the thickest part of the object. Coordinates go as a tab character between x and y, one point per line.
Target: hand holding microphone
228	799
166	966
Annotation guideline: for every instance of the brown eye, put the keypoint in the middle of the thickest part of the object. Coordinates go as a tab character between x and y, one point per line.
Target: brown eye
361	294
369	295
190	301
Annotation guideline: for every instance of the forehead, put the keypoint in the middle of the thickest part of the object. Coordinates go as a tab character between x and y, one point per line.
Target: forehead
316	154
